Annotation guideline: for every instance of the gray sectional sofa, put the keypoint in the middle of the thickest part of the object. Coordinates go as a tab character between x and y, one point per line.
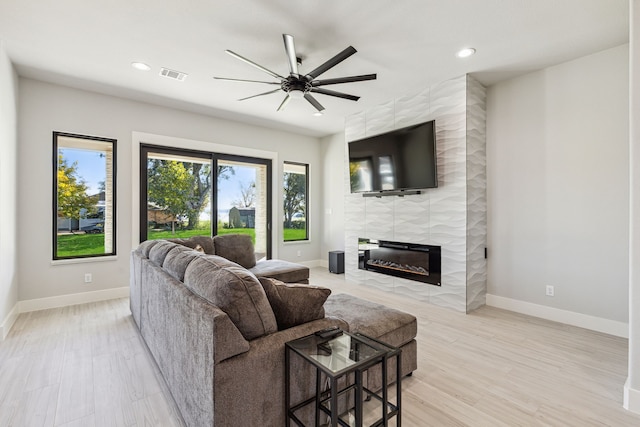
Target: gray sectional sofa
217	329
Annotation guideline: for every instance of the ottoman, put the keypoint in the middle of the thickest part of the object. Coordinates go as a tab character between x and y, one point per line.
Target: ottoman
388	325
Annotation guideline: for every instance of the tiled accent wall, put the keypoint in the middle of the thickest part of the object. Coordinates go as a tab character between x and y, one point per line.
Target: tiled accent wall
452	216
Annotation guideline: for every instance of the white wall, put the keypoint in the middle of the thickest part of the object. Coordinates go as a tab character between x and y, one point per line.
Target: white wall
333	164
558	186
45	108
632	386
8	161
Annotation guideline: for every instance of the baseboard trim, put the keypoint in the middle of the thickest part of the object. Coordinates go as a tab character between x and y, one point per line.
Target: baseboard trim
72	299
593	323
8	322
631	398
312	263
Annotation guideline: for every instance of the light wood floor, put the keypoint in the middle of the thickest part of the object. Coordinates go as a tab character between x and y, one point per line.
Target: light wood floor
86	366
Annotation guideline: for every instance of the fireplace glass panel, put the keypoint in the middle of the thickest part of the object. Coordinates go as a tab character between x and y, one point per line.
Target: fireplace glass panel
407	260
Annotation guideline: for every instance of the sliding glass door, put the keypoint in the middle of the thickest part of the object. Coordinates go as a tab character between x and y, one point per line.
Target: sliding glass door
187	193
244	199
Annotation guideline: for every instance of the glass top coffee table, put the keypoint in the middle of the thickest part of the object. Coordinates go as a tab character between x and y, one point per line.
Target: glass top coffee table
336	354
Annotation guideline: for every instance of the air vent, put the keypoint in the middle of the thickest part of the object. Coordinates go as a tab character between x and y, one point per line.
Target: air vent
173	74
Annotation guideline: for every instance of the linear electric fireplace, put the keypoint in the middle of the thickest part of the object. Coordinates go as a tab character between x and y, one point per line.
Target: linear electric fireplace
407	260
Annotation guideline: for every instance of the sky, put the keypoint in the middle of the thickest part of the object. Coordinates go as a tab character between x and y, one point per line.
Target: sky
91	167
229	189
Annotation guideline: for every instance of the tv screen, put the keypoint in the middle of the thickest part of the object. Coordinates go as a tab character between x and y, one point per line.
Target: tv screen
403	159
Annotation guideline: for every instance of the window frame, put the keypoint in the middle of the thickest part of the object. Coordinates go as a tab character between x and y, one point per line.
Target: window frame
214	157
54	201
306	200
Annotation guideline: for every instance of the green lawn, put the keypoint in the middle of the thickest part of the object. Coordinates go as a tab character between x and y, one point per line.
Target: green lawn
80	244
93	244
166	234
294	234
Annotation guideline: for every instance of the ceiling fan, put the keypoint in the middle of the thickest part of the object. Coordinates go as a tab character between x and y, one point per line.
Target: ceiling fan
297	85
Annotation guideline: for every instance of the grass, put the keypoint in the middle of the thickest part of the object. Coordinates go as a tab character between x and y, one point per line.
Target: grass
294	234
70	245
80	244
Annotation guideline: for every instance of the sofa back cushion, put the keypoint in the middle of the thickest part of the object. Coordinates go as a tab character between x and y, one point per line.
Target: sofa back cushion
294	304
177	260
237	248
204	242
235	291
145	247
160	250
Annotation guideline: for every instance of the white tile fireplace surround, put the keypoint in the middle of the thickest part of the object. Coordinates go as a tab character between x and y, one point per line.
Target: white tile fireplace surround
453	216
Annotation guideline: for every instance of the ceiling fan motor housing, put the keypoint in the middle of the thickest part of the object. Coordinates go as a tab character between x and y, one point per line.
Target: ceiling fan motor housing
293	83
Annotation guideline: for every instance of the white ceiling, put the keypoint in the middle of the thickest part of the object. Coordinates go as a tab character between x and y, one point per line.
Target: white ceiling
410	44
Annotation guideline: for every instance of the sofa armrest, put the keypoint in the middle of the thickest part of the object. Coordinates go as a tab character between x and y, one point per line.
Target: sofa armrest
258	376
285	271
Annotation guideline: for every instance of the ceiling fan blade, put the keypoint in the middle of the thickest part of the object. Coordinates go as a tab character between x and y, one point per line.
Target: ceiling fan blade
332	62
253	64
290	48
260	94
249	81
313	102
284	102
344	80
334	93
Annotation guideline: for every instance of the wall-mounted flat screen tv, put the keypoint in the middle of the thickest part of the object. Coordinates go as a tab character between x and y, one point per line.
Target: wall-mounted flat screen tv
403	159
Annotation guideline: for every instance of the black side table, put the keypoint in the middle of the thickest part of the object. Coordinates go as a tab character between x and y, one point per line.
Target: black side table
336	357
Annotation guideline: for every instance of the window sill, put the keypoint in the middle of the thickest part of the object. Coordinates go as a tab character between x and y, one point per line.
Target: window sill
84	260
296	242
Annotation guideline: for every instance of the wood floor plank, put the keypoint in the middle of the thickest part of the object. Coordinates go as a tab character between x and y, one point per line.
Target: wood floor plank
86	365
76	393
37	407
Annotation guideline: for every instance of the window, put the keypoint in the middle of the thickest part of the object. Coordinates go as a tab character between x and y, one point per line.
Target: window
296	184
84	196
188	193
178	194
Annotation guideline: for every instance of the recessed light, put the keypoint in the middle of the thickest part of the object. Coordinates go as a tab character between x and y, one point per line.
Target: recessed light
318	113
140	66
466	52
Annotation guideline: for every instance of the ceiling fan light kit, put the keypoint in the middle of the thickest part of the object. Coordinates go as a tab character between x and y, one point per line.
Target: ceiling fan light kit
298	86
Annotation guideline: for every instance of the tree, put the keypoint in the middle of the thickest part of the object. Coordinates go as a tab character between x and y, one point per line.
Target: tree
247	196
169	186
294	196
182	188
73	201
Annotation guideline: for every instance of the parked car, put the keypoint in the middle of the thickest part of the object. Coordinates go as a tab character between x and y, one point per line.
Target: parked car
93	229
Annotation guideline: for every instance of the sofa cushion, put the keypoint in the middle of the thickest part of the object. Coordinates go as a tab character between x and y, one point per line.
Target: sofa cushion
177	260
294	304
145	247
160	250
285	271
235	291
389	325
205	242
237	248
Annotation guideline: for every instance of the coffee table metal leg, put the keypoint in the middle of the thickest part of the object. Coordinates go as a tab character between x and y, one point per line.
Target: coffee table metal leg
358	401
318	395
334	402
399	389
287	392
385	392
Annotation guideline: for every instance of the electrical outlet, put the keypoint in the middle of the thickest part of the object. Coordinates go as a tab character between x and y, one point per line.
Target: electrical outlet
299	253
550	291
87	278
